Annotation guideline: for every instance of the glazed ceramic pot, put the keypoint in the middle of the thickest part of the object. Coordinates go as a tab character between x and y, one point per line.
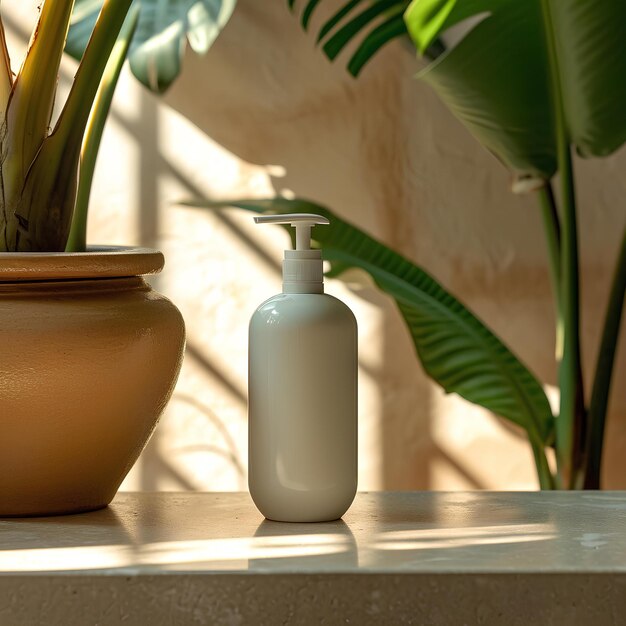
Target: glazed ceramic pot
89	356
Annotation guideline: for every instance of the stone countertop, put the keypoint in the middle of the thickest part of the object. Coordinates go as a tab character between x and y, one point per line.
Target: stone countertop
403	557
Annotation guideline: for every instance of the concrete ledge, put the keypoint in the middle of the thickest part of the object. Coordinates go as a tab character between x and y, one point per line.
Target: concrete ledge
434	558
310	599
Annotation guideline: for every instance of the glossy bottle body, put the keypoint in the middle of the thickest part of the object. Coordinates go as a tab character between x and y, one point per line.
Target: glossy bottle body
303	407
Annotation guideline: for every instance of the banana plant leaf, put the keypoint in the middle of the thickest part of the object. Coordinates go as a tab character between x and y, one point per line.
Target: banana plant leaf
456	349
497	80
161	36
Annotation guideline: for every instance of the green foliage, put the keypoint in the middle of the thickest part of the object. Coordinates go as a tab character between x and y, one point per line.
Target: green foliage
456	349
530	79
163	30
375	22
497	79
95	127
39	168
40	187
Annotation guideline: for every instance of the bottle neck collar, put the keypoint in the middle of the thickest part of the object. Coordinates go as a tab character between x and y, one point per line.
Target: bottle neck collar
302	287
303	271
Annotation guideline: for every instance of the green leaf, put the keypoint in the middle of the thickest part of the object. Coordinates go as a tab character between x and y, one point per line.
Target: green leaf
496	78
6	77
344	35
591	51
308	12
44	210
32	97
380	22
163	30
432	16
392	28
337	18
77	241
456	349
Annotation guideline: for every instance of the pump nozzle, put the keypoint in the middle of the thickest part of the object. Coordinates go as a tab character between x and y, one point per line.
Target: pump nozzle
302	267
302	222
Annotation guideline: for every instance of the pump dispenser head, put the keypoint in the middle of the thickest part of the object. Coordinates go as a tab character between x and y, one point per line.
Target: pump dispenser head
303	270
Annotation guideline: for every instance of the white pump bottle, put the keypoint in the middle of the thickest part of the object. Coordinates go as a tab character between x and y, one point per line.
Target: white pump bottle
302	444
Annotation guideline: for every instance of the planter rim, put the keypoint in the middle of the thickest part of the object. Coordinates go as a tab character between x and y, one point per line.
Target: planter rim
96	262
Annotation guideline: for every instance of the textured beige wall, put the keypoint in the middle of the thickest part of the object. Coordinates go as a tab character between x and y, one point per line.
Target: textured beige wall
265	112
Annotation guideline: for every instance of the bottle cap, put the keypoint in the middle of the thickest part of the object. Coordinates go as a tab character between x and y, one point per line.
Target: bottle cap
303	271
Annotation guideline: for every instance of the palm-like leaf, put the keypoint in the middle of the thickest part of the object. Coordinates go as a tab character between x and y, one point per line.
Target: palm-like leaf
380	20
497	78
163	30
456	349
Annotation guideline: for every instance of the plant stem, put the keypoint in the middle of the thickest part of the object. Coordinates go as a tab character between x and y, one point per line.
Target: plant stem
552	229
546	480
604	371
570	424
552	226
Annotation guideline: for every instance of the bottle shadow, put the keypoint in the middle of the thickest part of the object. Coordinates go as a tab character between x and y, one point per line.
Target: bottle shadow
325	546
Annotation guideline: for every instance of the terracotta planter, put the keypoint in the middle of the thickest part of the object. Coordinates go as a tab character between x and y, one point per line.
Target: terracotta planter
89	355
